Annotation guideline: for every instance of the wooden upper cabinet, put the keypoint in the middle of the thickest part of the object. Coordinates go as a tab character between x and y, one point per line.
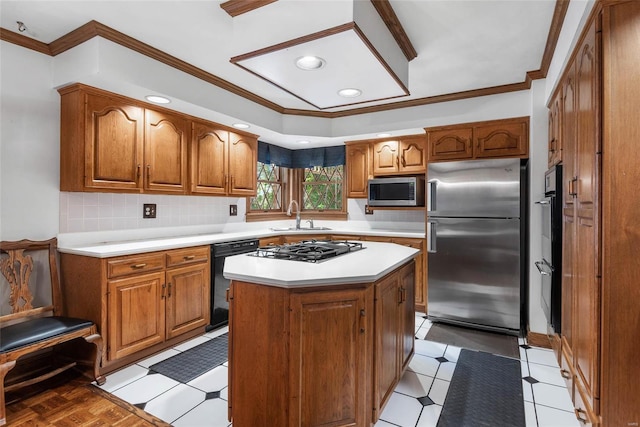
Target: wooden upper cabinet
412	154
502	138
357	158
209	147
385	157
490	139
405	155
449	143
165	152
114	144
243	158
555	138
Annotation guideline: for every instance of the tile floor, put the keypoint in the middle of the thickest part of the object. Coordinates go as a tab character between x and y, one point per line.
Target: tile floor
416	401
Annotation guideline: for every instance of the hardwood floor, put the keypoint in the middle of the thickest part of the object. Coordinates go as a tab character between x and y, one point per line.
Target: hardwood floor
70	400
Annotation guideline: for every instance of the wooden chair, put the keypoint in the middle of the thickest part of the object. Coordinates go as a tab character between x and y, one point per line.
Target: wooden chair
25	329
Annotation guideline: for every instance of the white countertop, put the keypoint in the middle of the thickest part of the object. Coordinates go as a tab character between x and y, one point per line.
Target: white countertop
111	249
366	265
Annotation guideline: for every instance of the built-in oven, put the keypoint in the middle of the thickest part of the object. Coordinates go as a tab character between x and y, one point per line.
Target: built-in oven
219	284
550	266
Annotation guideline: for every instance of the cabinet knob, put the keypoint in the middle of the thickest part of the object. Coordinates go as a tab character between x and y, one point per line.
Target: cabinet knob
565	374
581	415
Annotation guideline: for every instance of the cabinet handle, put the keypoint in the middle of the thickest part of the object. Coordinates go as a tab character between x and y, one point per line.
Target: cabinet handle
169	293
362	313
189	257
164	286
138	266
572	186
398	161
226	294
399	296
226	179
138	172
404	162
581	416
148	173
565	374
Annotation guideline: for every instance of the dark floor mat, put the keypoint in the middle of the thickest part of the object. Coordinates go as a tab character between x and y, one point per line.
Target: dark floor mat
473	339
195	361
485	390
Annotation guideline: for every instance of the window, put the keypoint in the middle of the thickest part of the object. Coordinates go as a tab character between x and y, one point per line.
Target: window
269	189
322	188
319	190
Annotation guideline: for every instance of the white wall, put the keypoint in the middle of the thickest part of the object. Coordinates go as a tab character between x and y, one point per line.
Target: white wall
29	145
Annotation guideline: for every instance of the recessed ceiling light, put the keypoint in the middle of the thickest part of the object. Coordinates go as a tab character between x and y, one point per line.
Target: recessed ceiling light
241	126
309	63
349	92
303	142
158	99
384	135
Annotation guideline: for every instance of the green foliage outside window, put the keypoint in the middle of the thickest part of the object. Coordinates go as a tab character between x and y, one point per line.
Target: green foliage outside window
322	188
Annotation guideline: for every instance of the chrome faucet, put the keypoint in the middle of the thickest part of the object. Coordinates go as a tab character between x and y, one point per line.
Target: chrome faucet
297	213
310	222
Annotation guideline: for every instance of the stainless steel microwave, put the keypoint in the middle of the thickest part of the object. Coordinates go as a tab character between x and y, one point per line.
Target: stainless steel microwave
402	191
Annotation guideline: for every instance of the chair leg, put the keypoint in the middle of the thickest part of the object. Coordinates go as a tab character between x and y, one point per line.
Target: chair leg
96	339
4	369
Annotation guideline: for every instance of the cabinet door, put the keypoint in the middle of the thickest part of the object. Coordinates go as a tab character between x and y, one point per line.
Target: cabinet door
505	138
187	299
329	369
136	314
388	340
243	158
413	156
408	313
586	338
165	152
568	211
450	144
114	144
385	158
208	159
357	170
555	138
419	273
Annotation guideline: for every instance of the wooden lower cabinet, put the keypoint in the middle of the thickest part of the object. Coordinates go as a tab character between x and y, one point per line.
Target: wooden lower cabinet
140	303
311	357
420	290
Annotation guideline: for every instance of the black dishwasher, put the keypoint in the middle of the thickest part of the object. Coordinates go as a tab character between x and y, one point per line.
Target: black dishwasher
219	285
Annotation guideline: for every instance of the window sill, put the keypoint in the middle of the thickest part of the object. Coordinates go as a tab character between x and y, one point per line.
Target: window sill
315	215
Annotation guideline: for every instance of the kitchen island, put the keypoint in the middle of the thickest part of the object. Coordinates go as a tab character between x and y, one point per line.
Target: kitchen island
319	343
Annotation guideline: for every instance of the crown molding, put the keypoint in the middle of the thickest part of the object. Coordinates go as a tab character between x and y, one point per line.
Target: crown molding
389	17
238	7
94	28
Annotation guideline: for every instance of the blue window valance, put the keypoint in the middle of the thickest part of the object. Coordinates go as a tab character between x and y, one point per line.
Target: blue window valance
306	158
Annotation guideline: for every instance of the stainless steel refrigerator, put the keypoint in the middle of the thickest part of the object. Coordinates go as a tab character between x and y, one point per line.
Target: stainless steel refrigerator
476	243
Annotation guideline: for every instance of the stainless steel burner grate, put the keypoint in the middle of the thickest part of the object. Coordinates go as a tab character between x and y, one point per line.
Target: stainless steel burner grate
308	250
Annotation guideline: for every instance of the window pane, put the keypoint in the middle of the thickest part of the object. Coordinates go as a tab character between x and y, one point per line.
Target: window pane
269	191
322	188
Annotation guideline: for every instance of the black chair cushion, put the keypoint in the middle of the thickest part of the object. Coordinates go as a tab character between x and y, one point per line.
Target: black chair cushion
32	331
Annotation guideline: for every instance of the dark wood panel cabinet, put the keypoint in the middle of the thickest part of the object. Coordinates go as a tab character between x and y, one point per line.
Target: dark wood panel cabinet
600	270
481	140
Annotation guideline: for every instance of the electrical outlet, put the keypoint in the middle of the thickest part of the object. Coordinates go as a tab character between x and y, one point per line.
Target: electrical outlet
233	210
368	210
149	210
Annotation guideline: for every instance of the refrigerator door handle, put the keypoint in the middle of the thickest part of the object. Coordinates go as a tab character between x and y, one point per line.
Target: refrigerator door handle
431	241
432	184
542	268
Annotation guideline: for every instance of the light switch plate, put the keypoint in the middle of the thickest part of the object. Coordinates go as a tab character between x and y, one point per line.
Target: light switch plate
368	210
149	210
233	210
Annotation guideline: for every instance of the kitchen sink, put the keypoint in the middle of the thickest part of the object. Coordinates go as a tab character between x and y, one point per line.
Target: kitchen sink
300	229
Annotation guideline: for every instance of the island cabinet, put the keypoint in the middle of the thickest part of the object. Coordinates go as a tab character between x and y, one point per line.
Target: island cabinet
140	303
112	143
221	161
394	323
313	356
480	140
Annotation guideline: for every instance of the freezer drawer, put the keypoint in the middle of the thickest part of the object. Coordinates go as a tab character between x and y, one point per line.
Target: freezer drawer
474	271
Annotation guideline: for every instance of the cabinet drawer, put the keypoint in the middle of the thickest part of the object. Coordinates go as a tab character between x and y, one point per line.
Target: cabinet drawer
126	266
584	412
187	256
566	370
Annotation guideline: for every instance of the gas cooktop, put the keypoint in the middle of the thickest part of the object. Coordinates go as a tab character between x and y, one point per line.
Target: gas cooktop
308	250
